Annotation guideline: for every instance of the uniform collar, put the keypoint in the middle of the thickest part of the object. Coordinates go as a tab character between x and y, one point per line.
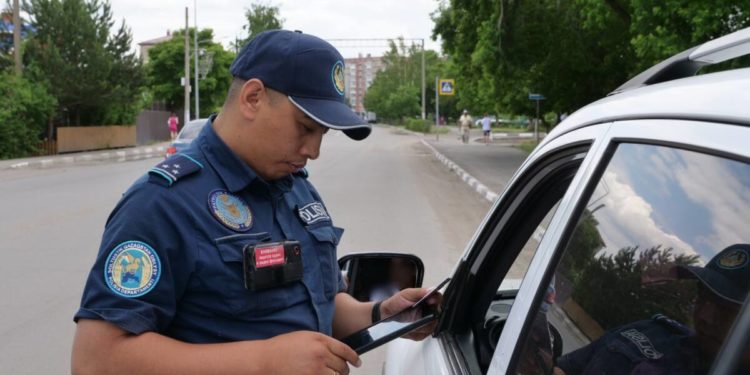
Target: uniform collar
233	171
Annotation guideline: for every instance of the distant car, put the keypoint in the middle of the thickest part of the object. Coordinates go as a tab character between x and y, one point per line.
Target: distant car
189	132
620	244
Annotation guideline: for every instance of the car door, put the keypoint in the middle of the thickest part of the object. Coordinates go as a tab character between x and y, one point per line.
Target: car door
503	245
549	211
650	270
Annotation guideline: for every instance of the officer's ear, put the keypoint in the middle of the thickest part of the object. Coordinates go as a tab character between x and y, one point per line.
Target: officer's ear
251	95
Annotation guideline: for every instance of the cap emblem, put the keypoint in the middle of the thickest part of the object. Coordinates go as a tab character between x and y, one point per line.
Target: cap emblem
337	74
733	259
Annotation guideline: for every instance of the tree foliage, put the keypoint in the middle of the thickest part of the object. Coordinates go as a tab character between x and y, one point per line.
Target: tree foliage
25	108
573	52
93	75
396	91
261	17
166	67
639	280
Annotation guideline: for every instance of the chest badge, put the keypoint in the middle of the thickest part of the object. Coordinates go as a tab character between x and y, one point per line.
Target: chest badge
230	210
313	213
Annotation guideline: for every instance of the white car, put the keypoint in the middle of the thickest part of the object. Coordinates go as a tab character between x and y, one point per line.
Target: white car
621	243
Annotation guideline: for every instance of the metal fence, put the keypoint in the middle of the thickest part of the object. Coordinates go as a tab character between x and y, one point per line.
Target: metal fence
151	127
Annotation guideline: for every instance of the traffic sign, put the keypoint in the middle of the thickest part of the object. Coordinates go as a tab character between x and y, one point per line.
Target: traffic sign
447	87
536	96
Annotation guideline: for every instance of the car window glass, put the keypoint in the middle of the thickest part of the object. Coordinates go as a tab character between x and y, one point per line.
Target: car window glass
655	272
192	129
497	313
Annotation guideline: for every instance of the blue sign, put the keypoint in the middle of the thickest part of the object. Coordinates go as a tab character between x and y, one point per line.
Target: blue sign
536	96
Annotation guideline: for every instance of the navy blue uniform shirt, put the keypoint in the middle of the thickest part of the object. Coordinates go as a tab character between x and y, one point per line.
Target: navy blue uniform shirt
170	260
656	346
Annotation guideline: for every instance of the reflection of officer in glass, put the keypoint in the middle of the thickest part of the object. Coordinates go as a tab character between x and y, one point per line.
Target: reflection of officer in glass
401	274
662	345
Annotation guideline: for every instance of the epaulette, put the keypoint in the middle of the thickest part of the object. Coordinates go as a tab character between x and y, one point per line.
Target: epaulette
174	168
670	323
302	173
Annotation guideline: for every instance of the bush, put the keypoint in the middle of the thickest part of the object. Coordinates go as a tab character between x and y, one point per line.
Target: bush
418	125
25	109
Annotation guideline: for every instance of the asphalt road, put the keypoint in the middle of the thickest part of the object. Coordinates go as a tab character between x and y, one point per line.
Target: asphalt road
389	192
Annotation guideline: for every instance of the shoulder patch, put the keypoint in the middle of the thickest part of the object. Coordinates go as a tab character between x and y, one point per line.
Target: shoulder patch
174	168
132	269
671	324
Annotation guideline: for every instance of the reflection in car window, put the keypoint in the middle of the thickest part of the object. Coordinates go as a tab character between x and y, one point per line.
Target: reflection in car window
655	272
192	129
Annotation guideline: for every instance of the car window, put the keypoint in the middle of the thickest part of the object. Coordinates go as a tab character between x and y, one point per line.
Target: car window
513	242
192	129
655	272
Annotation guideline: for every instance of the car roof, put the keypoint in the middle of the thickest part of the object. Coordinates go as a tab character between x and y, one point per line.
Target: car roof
715	97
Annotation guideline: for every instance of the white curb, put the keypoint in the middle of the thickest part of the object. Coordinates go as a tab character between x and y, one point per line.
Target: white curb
480	188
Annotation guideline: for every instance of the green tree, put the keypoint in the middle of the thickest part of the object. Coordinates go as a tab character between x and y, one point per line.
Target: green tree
25	108
573	52
623	277
396	91
261	17
166	68
92	74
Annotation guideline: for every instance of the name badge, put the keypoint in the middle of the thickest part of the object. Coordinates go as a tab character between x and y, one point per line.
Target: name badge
313	213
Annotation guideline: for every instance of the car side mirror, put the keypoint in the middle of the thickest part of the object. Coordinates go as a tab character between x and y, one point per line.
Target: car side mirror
377	276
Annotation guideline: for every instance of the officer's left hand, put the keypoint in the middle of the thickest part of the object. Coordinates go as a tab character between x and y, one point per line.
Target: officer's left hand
406	298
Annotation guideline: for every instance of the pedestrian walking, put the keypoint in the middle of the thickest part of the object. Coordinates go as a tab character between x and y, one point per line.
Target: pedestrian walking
172	122
486	128
464	124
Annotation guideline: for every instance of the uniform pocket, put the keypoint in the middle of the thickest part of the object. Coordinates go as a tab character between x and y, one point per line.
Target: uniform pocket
241	302
326	238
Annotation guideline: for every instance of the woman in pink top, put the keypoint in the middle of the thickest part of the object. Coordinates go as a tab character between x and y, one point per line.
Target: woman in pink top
172	123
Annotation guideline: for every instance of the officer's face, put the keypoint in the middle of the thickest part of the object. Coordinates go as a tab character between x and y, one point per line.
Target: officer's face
713	318
284	138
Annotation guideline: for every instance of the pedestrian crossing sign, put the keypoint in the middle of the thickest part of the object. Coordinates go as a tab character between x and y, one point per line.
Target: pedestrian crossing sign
447	87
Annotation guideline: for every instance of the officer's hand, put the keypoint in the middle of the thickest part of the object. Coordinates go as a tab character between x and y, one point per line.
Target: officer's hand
406	298
306	352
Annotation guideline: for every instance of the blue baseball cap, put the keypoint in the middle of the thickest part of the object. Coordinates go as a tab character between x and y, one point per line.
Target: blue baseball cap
308	70
727	274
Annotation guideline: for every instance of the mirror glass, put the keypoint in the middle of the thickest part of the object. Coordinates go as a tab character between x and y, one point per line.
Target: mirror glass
375	278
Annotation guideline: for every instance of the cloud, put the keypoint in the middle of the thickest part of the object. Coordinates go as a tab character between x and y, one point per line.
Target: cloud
627	220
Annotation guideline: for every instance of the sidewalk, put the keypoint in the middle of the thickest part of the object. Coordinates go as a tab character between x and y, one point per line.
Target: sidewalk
120	154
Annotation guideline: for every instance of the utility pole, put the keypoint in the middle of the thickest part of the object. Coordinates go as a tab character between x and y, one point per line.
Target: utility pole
195	39
186	80
437	101
424	102
17	36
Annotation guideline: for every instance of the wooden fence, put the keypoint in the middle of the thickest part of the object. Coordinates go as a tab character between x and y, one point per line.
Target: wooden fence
46	147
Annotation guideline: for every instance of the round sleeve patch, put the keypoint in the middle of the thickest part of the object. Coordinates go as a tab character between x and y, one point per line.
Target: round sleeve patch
132	269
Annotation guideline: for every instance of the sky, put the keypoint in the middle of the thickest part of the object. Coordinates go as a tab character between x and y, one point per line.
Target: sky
328	19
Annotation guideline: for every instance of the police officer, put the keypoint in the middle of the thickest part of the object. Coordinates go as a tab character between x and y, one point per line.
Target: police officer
181	283
661	345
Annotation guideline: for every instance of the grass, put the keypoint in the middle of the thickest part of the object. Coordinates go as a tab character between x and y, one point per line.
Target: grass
527	146
439	130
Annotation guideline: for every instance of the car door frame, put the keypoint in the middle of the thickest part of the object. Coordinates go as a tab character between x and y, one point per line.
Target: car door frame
696	135
453	326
